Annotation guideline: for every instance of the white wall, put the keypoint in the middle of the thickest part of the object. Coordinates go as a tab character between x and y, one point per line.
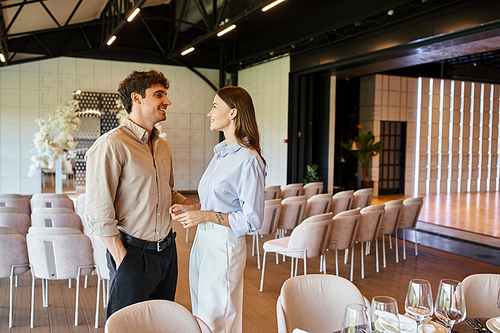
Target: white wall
30	90
453	125
268	86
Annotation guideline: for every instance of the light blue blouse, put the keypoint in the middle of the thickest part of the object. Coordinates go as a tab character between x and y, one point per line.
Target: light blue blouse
233	184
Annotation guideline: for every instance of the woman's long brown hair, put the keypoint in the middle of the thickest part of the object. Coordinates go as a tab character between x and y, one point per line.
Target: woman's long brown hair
245	121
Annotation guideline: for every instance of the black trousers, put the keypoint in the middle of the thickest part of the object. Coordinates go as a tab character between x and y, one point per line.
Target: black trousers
142	275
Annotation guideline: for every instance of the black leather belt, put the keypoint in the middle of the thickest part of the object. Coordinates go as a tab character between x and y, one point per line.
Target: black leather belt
146	245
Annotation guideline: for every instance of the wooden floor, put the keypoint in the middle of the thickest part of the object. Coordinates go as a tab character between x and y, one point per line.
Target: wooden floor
259	308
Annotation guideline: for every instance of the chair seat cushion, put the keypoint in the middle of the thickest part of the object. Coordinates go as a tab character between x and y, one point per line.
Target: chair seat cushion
277	244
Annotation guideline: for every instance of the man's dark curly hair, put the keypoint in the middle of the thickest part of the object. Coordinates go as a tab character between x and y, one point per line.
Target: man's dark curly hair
138	82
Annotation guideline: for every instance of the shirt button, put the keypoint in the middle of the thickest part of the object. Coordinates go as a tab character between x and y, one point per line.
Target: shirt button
158	214
159	194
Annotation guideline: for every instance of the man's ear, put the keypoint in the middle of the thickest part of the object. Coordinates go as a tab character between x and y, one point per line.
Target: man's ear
136	98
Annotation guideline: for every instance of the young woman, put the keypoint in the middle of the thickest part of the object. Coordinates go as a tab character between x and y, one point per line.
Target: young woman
231	205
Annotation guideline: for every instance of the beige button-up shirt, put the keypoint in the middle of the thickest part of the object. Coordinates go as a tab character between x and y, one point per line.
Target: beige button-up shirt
128	188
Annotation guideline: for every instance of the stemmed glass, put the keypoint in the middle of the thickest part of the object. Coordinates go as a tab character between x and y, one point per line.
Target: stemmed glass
450	303
498	300
356	319
384	315
418	303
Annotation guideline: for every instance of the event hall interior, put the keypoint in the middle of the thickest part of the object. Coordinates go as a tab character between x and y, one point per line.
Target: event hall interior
422	75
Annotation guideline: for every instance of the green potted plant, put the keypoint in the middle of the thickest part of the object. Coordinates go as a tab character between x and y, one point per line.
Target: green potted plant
364	148
311	174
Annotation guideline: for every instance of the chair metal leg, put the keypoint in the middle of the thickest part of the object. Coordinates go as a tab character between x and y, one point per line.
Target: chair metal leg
45	294
105	292
396	246
97	301
336	262
362	261
263	269
86	279
346	256
352	262
390	241
324	263
368	246
376	254
291	268
253	244
77	296
404	244
32	299
11	280
416	250
258	250
16	281
305	263
69	283
383	248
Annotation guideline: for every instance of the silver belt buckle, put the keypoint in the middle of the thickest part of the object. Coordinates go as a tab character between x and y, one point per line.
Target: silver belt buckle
158	248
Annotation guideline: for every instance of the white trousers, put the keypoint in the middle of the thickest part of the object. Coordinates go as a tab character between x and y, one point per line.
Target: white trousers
216	268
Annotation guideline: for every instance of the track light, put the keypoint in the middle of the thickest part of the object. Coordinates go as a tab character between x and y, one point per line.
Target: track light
191	49
111	40
2	57
271	5
134	14
220	33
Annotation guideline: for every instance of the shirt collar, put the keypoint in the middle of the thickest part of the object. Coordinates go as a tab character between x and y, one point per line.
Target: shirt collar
222	149
140	132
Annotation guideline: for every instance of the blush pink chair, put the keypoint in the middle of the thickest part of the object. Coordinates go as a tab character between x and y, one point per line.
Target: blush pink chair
311	189
362	198
272	192
155	316
272	214
392	217
318	204
291	190
13	259
307	240
341	202
315	303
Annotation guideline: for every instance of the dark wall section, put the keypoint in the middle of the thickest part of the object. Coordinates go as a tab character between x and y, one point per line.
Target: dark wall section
346	120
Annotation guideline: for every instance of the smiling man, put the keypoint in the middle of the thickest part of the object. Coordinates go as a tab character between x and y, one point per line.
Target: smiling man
129	192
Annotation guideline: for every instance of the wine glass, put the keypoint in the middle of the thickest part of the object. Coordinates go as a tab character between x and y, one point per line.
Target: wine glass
356	319
418	303
450	303
498	300
384	315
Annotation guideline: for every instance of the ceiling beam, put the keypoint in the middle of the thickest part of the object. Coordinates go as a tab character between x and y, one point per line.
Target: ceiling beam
153	36
203	12
73	12
50	14
15	16
178	25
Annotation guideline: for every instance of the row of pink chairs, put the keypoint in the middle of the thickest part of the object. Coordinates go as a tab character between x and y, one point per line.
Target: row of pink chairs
39	200
53	244
293	190
281	215
337	232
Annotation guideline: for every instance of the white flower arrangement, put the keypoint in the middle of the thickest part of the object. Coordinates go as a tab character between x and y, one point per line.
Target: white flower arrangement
122	114
56	135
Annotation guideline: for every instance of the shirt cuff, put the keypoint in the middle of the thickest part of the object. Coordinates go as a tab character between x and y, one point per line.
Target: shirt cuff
104	228
177	198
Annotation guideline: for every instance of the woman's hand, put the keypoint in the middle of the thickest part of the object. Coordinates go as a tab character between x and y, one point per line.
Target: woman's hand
178	209
191	218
